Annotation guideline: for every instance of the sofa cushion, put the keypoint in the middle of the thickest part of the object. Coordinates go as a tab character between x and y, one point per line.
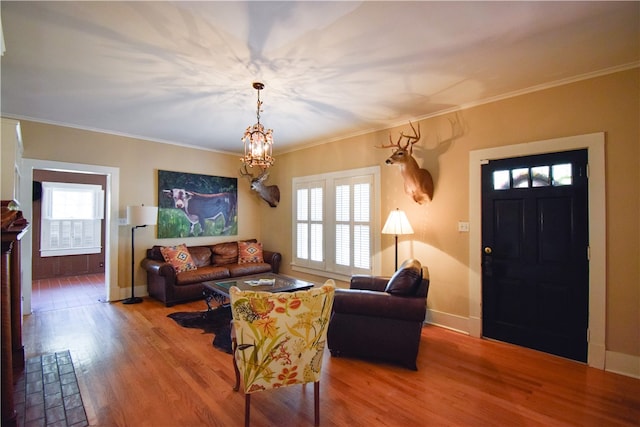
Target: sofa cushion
237	270
202	274
201	255
179	257
226	253
407	279
249	252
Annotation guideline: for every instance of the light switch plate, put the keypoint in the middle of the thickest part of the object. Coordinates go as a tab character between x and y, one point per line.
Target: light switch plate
463	226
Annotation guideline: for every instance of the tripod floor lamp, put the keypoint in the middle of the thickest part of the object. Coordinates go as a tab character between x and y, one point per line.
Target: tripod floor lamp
397	223
138	217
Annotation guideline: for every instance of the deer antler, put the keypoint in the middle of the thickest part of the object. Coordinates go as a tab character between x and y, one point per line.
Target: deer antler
411	139
245	173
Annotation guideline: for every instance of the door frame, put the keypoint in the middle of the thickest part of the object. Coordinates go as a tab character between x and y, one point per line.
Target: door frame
112	202
594	144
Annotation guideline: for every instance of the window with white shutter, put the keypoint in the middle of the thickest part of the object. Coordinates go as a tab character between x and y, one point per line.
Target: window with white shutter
337	222
72	217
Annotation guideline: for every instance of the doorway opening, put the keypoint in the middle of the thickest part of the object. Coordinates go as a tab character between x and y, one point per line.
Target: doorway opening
110	242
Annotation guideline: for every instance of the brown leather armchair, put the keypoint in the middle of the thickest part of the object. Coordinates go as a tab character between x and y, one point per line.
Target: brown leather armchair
380	317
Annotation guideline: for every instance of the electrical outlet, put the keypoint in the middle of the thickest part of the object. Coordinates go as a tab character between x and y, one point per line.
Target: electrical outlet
122	221
463	226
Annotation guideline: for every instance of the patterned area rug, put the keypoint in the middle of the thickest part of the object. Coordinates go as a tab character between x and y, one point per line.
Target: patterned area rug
216	321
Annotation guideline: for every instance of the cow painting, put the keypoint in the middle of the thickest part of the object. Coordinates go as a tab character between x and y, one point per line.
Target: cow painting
196	205
199	207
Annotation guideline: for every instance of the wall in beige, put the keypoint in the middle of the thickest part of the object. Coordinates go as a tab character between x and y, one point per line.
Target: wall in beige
607	104
138	162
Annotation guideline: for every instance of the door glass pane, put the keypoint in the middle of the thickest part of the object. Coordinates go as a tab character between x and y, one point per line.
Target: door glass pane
540	176
562	174
501	180
520	177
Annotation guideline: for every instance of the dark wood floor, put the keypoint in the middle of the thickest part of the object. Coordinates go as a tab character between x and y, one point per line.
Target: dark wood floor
137	367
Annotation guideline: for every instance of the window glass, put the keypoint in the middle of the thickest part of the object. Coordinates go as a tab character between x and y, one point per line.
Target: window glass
362	246
343	244
501	180
71	219
562	174
540	176
302	241
342	203
520	177
317	244
338	237
302	210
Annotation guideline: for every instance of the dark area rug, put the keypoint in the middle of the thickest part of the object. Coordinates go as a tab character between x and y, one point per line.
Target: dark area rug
214	321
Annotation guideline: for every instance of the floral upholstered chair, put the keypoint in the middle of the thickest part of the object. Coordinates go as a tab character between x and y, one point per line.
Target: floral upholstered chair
279	339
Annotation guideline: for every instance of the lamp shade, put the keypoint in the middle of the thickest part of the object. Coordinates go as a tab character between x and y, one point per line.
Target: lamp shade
397	223
142	215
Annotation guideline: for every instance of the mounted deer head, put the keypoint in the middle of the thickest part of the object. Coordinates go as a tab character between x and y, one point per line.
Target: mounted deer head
418	182
268	193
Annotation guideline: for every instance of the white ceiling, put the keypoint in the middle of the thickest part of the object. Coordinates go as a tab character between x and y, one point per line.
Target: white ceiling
181	72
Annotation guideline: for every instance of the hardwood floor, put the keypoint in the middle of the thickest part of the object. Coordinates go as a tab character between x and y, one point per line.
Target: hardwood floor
65	292
137	367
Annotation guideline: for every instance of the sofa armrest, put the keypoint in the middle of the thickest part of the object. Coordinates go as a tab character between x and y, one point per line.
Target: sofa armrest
379	304
273	258
159	268
369	283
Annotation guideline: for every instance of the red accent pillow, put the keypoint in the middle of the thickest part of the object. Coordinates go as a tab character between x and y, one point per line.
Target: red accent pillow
179	257
249	252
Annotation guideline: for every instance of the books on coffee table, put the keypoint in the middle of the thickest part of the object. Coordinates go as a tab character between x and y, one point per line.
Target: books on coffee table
261	282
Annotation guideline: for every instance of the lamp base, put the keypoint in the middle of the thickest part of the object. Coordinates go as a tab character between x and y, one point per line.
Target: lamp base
132	300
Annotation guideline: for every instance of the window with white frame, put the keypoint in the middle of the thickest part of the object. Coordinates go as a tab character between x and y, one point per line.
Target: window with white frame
335	216
71	219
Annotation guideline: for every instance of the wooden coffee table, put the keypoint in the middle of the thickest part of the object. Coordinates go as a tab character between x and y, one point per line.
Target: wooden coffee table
268	282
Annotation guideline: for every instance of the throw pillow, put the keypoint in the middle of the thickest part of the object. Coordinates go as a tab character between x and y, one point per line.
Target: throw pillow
179	257
407	279
249	252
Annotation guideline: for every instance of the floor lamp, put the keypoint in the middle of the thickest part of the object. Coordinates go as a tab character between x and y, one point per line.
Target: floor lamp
397	223
138	217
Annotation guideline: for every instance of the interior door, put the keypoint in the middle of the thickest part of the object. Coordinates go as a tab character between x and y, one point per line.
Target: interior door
535	271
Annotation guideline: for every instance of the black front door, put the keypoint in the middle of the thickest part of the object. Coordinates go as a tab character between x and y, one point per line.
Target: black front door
535	271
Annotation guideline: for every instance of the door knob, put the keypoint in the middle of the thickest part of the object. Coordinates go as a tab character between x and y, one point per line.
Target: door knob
488	250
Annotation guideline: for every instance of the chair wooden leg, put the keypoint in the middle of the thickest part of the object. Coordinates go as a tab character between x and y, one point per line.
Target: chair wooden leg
316	402
247	405
234	346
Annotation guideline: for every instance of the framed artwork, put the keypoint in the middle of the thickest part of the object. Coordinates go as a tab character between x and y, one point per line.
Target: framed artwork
194	205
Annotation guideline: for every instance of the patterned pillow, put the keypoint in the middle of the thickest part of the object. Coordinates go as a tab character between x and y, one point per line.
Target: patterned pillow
179	257
249	252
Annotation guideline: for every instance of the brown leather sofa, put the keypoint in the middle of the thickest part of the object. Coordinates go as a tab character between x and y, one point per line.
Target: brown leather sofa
380	317
213	262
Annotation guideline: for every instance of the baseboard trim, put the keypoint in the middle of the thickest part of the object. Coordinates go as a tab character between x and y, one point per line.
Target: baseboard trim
448	321
623	364
599	358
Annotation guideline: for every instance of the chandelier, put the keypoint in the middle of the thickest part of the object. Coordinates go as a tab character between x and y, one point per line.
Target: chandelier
258	144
